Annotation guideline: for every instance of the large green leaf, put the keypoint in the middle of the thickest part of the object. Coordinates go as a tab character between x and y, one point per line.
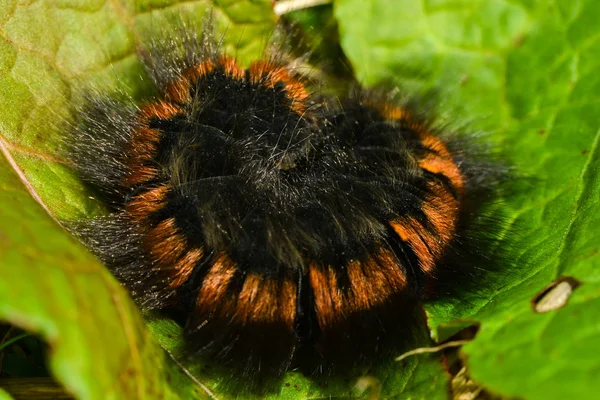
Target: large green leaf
52	286
527	71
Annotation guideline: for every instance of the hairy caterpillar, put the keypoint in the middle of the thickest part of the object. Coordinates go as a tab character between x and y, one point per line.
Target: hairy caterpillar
286	226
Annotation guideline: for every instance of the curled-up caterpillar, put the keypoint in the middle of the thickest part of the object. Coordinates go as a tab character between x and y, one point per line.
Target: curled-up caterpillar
287	227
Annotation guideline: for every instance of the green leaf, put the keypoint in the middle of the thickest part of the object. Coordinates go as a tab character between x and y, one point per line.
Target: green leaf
526	71
4	395
51	286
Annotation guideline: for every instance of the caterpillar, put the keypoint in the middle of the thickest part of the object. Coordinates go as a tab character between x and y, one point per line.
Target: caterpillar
283	226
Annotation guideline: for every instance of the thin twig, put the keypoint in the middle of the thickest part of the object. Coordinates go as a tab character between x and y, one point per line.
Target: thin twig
191	376
13	340
423	350
287	6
